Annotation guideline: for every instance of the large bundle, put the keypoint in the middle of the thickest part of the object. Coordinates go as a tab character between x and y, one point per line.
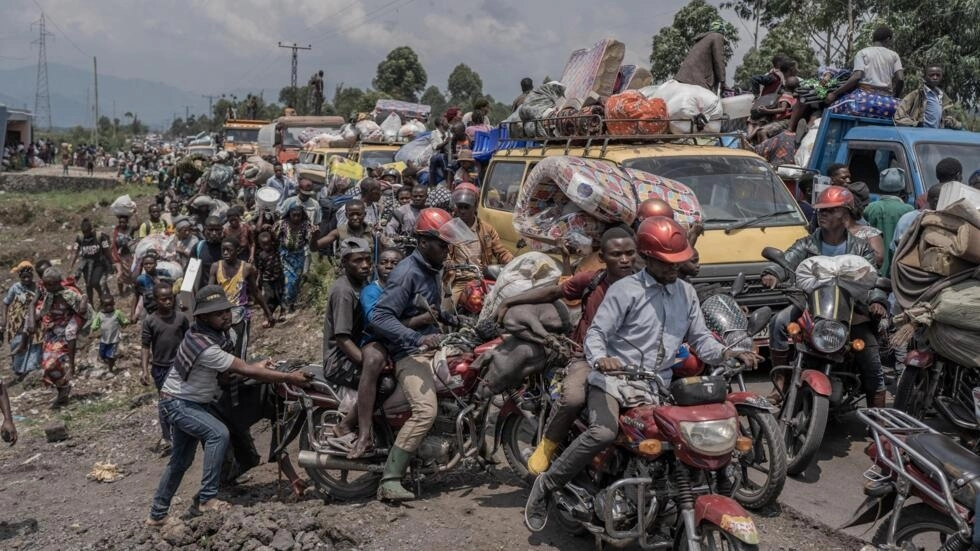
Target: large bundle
687	104
417	151
123	206
540	103
593	71
525	271
404	109
257	170
687	208
369	131
635	106
573	198
390	127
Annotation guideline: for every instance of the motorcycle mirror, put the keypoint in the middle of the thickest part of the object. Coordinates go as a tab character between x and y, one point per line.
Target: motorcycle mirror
758	319
884	284
738	286
772	254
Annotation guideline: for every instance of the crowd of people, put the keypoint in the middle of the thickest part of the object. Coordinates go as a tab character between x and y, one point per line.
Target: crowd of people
401	235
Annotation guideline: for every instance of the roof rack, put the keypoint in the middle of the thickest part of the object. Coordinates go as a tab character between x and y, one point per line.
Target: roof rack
567	132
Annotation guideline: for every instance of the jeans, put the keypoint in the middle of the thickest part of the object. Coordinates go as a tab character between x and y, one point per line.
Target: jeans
159	374
190	423
602	431
574	388
868	360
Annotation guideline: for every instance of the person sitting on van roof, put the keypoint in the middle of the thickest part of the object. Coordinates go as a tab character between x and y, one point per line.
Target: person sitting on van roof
705	62
928	107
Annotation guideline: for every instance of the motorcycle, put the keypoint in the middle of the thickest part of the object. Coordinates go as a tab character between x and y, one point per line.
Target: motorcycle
477	288
824	376
457	439
913	460
931	382
655	485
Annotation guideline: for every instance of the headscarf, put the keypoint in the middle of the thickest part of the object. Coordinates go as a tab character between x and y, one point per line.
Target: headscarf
23	265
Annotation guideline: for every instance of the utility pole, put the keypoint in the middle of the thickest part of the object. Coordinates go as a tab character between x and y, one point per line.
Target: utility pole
187	112
95	69
42	98
292	76
210	104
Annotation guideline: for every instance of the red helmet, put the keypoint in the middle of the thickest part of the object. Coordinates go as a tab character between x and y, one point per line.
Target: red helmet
430	220
691	366
468	187
664	239
654	207
834	196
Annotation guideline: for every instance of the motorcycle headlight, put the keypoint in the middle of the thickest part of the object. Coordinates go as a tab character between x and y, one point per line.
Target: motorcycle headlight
711	437
828	336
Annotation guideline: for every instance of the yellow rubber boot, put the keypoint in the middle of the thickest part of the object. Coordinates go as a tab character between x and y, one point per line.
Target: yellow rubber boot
541	458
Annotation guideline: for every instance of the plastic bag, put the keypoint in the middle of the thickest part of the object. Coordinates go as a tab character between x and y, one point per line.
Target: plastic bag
803	152
633	105
685	102
369	131
527	270
411	129
540	103
390	127
578	229
417	151
342	174
855	274
123	206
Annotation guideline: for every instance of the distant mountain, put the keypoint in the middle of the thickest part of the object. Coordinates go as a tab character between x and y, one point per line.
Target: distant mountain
154	102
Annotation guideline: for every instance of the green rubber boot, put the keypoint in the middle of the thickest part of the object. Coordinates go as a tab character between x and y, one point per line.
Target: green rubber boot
391	488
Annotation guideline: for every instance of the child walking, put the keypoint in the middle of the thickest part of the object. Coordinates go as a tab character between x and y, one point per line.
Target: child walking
108	323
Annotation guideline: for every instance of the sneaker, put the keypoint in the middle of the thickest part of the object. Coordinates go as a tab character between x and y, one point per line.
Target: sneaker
214	505
536	509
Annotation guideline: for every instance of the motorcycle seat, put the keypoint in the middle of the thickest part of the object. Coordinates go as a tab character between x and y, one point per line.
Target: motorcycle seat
959	464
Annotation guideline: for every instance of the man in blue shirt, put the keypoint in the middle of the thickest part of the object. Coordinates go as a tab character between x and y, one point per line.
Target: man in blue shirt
641	322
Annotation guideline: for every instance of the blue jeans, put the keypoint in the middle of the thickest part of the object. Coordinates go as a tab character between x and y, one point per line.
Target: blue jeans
190	423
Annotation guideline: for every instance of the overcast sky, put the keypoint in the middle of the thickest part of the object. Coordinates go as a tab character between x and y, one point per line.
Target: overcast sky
213	46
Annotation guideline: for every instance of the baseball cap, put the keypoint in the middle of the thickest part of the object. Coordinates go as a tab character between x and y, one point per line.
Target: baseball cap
353	245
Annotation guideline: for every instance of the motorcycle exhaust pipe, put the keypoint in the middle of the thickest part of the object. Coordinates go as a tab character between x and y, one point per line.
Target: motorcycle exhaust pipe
316	460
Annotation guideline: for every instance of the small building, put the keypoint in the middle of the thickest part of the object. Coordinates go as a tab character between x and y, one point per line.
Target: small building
16	126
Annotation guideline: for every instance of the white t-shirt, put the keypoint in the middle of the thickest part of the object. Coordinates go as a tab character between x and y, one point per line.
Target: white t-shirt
201	385
879	65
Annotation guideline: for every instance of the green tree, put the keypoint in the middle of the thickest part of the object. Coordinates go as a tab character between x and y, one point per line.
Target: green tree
465	86
671	44
782	39
346	100
434	99
401	75
298	98
370	98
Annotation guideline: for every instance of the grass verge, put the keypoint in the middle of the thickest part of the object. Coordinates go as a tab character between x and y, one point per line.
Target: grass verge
79	200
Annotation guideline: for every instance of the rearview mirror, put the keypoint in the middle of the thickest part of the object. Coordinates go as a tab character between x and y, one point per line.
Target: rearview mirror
738	285
758	319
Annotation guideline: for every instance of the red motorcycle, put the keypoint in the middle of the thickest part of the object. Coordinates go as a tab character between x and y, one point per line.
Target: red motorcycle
654	486
457	440
913	460
476	290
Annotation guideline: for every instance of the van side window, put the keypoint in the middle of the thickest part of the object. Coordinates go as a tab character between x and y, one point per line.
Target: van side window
503	184
866	162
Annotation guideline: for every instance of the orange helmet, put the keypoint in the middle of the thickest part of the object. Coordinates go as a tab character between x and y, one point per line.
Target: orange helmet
664	239
654	207
467	186
430	221
834	196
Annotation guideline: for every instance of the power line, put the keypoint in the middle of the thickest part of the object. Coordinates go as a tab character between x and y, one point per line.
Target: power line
62	31
295	61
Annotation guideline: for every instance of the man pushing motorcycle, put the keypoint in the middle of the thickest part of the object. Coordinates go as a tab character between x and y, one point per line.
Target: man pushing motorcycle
641	323
831	238
398	309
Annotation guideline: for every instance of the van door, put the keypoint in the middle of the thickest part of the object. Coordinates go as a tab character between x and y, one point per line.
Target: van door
867	159
500	190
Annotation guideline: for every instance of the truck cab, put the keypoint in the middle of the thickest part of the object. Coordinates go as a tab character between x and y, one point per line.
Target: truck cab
241	136
282	136
868	146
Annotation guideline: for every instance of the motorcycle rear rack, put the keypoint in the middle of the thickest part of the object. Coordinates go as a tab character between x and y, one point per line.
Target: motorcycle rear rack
893	426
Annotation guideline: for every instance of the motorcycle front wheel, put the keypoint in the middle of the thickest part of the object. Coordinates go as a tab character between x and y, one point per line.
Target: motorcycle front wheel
713	538
804	431
763	468
921	526
343	485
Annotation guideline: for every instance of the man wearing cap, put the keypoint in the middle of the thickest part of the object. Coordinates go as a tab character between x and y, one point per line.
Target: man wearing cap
343	321
642	321
25	348
487	250
398	320
885	213
191	385
468	170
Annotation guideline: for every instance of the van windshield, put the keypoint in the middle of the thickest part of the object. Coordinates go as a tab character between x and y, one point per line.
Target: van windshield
241	135
730	189
929	154
372	159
